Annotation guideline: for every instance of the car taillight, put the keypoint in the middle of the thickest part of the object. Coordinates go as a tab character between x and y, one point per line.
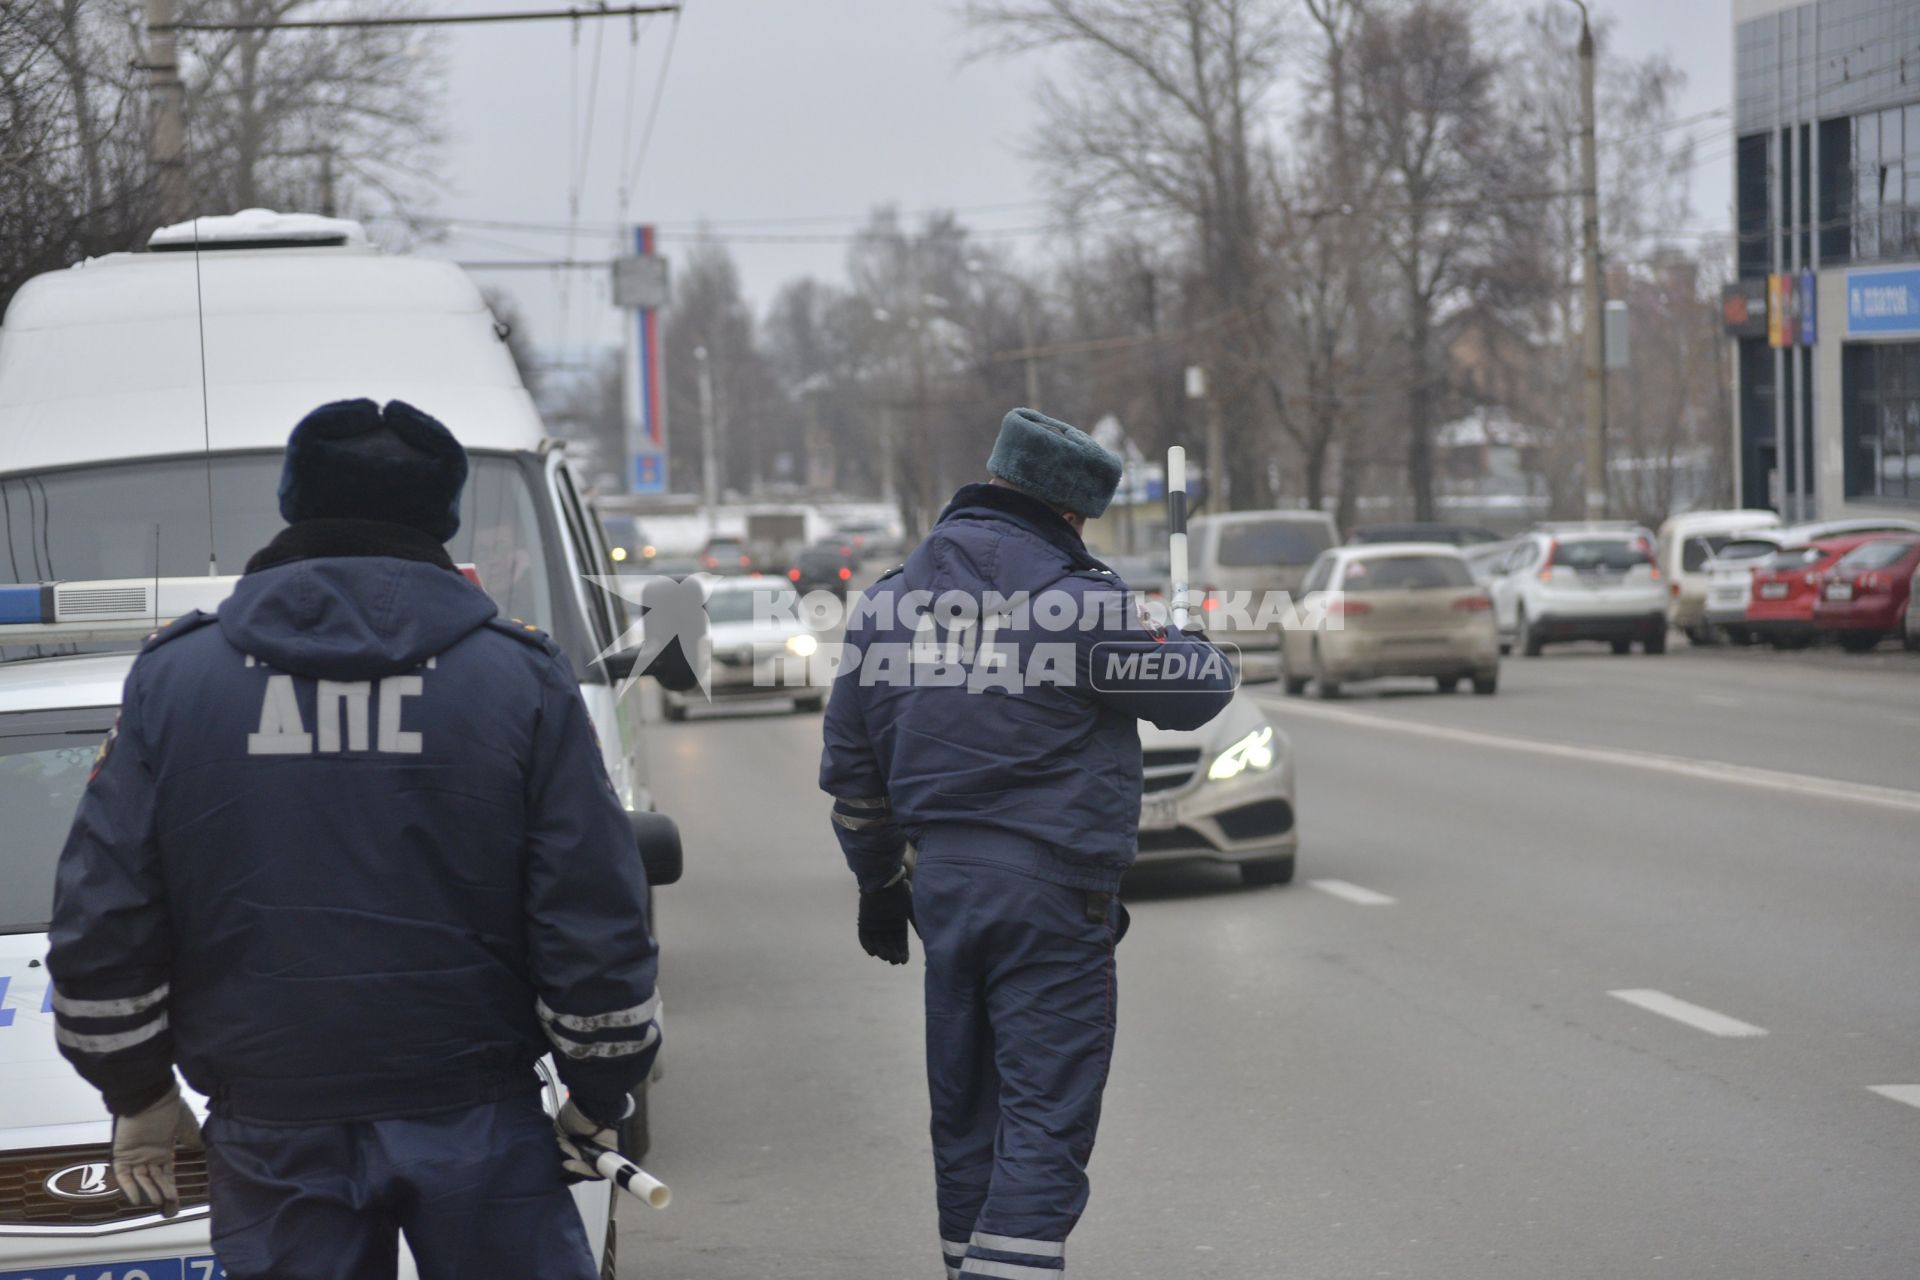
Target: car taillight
1673	589
1349	608
1473	604
712	562
1654	569
845	573
1546	566
793	574
745	561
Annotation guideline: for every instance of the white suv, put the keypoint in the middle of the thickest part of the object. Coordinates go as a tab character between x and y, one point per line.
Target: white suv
1580	585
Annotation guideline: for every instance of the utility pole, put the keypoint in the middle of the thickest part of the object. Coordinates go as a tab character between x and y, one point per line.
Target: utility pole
1595	336
1200	387
709	461
166	106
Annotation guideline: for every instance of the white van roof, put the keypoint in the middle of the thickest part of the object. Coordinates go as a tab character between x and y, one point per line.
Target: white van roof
102	360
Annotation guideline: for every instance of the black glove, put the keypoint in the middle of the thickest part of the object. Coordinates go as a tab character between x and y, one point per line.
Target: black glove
884	916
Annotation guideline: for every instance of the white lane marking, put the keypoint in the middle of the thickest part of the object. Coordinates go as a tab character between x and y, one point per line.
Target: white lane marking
1352	893
1710	770
1695	1016
1907	1093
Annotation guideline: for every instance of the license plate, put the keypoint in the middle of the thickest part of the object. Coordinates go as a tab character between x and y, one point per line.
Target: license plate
1773	591
202	1267
1839	591
1157	813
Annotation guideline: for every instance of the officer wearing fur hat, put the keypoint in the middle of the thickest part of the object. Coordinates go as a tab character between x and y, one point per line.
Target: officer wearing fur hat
987	713
351	862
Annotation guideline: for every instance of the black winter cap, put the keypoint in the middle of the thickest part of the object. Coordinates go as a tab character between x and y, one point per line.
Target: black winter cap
354	459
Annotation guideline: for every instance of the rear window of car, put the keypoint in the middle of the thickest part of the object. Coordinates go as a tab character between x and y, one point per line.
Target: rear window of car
1874	555
1611	554
1788	558
1406	573
1738	549
1252	542
1695	553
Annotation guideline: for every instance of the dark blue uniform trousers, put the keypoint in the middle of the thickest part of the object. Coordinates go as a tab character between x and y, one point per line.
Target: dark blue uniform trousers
477	1193
1020	1022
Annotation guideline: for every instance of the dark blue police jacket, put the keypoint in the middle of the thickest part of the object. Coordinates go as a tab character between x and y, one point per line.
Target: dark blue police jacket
1026	729
351	854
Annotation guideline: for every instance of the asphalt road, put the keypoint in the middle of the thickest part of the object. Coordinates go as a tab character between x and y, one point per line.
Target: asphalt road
1439	1085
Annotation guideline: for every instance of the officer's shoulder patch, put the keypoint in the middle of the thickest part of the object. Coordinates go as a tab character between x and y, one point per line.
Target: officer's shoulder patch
190	621
525	632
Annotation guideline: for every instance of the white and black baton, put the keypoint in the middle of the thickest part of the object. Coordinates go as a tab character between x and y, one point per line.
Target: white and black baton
1177	534
626	1175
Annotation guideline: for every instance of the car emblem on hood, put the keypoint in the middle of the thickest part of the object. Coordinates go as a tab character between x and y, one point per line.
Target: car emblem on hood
80	1182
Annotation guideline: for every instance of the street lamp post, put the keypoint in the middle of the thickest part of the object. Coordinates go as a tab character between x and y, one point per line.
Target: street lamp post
709	460
1595	375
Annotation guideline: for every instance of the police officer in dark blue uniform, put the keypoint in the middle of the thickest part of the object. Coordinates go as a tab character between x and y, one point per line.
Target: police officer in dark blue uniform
352	861
987	712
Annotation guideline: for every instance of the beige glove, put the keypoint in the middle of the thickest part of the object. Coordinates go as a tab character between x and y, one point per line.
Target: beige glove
143	1149
573	1123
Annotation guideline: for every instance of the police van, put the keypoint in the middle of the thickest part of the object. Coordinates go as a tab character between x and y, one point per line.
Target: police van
145	401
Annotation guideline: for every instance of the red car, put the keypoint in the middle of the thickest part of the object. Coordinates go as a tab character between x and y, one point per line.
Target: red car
1864	596
1786	584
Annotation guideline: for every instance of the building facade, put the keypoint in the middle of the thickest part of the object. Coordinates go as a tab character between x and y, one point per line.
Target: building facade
1826	314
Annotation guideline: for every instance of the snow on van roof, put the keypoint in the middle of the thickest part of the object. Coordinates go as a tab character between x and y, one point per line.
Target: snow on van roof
255	226
103	361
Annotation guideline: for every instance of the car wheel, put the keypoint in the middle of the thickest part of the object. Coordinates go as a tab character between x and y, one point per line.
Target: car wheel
1327	689
1524	638
1487	685
674	711
1447	684
1860	641
1265	871
1506	647
1701	636
1911	641
810	704
1622	646
1656	643
1290	684
1736	636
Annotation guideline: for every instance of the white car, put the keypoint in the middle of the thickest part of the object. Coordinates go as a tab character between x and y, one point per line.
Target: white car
62	1216
1580	584
1686	547
1221	793
1730	572
761	648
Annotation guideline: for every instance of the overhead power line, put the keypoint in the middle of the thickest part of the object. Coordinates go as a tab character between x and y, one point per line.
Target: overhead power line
428	20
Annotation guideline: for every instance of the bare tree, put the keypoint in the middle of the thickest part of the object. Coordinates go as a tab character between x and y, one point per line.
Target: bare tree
333	119
1450	193
1164	118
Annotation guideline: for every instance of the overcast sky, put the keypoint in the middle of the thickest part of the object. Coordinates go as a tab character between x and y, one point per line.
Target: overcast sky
784	121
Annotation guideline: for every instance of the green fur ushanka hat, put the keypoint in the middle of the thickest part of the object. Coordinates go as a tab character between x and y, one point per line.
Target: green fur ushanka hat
1057	463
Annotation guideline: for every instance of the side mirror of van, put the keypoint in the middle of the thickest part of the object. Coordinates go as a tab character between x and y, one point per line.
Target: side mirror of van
658	838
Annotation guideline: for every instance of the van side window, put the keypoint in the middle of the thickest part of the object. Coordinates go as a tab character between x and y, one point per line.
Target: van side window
587	555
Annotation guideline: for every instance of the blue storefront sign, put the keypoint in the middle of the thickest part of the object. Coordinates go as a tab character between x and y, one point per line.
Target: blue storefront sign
1883	302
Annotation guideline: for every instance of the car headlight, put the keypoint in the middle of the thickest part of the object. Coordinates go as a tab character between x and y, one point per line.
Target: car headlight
802	645
1255	751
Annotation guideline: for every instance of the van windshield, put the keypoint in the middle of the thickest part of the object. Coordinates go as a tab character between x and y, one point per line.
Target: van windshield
146	518
1259	542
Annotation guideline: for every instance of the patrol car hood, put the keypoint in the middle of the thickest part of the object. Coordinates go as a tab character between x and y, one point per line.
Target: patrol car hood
42	1092
351	617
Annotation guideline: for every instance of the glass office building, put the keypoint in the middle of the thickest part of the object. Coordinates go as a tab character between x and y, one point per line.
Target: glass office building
1827	210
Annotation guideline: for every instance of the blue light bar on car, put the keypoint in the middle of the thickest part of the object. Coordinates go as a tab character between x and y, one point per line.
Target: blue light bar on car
112	609
27	603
